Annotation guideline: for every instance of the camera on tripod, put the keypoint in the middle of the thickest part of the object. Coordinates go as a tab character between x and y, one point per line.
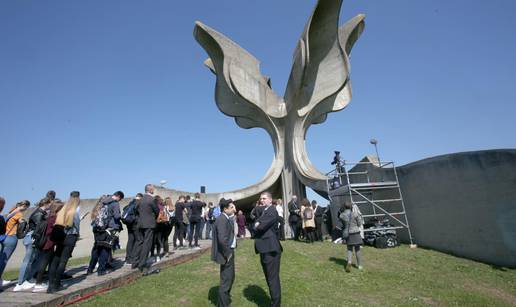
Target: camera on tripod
335	182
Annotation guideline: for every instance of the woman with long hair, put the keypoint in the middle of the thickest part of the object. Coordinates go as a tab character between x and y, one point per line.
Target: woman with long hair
27	269
351	223
70	219
168	208
308	216
47	250
161	223
10	240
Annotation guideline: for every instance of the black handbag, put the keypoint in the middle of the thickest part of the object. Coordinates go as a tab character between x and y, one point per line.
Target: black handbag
58	234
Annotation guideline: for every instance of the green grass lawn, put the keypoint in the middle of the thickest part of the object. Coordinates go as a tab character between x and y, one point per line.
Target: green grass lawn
313	275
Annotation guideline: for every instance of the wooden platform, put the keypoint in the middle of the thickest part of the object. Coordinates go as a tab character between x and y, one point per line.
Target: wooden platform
83	286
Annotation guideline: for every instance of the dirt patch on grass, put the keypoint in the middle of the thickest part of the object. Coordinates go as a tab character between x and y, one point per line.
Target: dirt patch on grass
496	293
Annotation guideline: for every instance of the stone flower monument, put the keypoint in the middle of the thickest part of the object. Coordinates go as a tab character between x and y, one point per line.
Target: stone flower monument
319	83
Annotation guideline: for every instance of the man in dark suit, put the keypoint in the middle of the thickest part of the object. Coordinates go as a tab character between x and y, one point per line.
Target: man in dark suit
294	218
195	220
266	243
222	250
318	214
147	211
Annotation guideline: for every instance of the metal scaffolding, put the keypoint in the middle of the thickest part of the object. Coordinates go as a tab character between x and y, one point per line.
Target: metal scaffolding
373	187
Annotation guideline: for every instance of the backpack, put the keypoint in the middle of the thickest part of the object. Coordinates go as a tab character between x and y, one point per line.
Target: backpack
162	216
101	221
210	214
4	231
22	229
129	213
308	214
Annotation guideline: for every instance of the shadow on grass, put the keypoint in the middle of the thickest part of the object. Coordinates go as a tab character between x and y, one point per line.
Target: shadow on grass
257	295
213	295
339	261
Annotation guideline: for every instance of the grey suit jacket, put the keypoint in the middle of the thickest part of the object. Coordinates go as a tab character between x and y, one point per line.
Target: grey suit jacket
147	212
223	234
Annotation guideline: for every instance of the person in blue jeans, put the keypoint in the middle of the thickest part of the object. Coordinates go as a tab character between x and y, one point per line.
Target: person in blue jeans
27	269
11	241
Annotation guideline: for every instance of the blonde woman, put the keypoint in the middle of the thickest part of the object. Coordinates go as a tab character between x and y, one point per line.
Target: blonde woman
68	219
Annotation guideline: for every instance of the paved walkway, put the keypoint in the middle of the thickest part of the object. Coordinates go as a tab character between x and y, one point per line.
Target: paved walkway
82	286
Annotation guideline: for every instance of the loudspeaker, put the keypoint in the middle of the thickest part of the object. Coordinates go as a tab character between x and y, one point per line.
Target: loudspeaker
203	189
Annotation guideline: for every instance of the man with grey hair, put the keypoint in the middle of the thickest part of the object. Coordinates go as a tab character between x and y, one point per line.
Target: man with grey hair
266	243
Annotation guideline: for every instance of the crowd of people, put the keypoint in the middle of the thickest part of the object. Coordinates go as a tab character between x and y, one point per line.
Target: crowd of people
51	232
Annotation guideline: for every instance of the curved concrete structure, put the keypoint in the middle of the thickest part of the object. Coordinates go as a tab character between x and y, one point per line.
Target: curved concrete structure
319	83
464	204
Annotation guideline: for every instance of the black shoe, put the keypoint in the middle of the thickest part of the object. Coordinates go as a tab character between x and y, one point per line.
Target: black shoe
134	266
102	273
66	276
54	288
89	272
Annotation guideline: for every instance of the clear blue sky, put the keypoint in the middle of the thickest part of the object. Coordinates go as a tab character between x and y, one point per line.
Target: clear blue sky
98	96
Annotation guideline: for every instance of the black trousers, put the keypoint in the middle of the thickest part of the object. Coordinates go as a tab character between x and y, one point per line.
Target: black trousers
99	254
296	227
227	277
281	228
310	234
318	231
144	237
46	259
195	232
157	243
62	253
167	229
271	268
179	229
130	255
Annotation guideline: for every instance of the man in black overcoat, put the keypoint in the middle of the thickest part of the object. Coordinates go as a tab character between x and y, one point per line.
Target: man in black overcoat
147	211
222	250
266	243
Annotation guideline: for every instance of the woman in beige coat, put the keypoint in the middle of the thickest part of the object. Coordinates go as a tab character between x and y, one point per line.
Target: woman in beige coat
308	216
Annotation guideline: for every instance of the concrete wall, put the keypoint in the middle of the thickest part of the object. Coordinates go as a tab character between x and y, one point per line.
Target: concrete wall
464	204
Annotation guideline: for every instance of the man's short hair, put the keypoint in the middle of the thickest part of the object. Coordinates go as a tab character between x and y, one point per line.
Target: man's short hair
51	194
139	195
267	193
44	201
75	194
197	195
148	187
119	194
225	203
